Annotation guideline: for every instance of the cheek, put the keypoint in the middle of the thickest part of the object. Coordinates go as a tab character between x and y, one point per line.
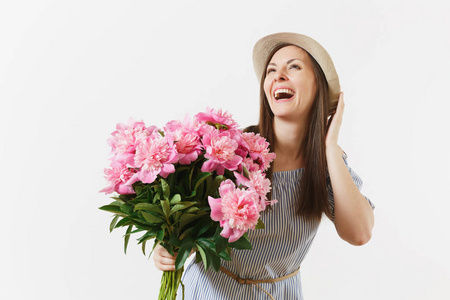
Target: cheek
310	88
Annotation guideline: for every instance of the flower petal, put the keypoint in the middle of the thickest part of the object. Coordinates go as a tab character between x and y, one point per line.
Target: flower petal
209	166
235	235
216	208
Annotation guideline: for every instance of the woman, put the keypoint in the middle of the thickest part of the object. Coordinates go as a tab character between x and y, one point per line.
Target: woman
310	176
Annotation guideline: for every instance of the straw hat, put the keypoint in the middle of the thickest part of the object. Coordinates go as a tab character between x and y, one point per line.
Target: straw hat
264	46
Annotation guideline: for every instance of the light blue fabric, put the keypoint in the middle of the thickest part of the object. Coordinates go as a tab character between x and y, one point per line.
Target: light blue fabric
278	250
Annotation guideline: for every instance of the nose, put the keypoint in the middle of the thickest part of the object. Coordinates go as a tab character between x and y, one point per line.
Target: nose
280	75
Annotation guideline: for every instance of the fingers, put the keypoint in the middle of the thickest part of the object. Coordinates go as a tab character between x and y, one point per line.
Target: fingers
339	112
334	123
163	260
341	105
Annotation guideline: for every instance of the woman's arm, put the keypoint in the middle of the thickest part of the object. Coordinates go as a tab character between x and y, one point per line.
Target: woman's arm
354	217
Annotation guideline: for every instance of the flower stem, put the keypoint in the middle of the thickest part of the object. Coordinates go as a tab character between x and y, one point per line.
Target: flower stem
170	281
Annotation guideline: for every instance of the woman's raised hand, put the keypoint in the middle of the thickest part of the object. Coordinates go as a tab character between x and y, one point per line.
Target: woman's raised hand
336	121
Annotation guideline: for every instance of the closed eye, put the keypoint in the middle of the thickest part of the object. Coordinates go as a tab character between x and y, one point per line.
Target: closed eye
295	67
270	70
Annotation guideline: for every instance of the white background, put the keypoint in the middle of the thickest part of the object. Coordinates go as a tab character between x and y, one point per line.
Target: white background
71	70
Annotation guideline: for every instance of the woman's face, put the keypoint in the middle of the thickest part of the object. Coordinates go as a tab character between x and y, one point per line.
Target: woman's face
290	84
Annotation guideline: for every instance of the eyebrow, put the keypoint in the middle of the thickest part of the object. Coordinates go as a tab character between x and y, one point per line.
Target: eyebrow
288	62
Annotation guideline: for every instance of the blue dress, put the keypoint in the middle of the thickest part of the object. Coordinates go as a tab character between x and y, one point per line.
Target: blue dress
278	250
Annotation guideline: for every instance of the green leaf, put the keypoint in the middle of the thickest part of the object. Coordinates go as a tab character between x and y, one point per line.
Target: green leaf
176	216
170	249
111	208
147	236
175	199
174	240
149	194
113	223
187	218
181	205
198	258
179	169
156	197
245	171
127	238
151	218
220	242
118	200
143	226
241	243
166	189
149	207
215	261
202	226
183	253
186	233
203	256
200	178
160	235
155	243
224	255
140	198
190	177
138	189
143	247
140	222
193	194
137	230
260	224
166	207
192	209
126	208
209	182
207	244
123	222
215	185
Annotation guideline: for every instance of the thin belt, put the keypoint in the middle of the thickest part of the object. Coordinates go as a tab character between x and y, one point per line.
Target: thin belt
256	281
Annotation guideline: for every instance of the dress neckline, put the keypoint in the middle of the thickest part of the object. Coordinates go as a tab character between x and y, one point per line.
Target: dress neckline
281	172
287	176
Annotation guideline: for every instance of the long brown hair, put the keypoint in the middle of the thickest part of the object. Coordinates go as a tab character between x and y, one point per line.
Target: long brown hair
313	199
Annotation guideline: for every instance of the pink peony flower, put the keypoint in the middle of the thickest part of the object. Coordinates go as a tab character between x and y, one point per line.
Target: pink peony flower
126	138
118	175
258	149
220	120
257	183
154	156
250	164
186	139
188	147
220	152
237	210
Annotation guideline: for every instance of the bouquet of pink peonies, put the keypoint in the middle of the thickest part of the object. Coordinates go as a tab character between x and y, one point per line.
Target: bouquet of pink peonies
195	185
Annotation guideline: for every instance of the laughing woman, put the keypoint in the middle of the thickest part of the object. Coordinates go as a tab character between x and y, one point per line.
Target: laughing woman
301	109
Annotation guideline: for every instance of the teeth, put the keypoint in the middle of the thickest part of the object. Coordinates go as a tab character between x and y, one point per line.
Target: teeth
286	91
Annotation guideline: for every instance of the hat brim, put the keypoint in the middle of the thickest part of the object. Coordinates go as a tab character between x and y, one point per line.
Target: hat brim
265	45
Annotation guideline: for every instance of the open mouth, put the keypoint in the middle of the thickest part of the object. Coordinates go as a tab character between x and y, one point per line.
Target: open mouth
284	94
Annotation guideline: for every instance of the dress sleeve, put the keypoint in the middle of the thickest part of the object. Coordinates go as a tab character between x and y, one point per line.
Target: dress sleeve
356	179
